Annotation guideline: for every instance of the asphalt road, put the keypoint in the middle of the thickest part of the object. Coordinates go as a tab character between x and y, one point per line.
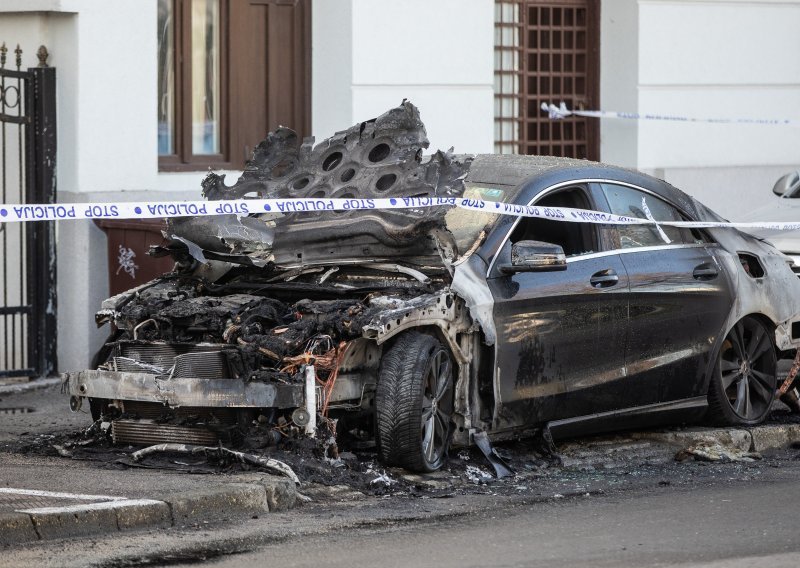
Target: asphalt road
740	525
642	509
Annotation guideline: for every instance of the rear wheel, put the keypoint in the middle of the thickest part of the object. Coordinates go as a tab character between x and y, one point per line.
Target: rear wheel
414	403
742	387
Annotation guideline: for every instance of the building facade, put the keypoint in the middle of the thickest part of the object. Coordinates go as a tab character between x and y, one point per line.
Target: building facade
153	93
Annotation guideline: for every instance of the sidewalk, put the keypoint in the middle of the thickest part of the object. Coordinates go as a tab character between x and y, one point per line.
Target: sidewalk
41	498
45	498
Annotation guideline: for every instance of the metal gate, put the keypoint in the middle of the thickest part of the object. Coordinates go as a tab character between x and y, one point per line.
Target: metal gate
546	51
27	250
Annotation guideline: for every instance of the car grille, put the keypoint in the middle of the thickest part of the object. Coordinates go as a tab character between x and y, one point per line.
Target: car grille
144	423
207	365
149	432
172	360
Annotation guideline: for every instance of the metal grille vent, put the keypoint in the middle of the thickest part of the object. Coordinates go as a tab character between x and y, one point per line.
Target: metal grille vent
147	432
160	355
175	360
208	365
128	365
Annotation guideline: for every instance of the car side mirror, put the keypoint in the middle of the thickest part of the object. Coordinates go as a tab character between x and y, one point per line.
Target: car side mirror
535	256
788	185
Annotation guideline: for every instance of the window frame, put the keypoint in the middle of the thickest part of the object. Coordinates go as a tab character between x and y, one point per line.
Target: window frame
601	235
609	236
183	159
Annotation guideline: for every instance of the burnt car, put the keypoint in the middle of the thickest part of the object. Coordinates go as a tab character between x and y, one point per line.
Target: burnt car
422	327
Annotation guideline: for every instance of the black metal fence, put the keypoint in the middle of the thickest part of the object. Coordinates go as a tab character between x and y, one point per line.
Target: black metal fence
27	250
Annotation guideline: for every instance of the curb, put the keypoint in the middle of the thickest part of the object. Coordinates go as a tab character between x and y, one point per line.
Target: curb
172	510
754	439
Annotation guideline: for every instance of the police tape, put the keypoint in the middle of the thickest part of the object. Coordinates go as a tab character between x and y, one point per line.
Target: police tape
561	112
21	213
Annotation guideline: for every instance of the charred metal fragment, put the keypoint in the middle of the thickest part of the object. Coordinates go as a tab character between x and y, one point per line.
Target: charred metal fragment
219	453
501	468
443	310
147	387
378	158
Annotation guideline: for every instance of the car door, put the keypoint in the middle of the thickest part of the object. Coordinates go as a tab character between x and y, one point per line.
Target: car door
680	296
560	334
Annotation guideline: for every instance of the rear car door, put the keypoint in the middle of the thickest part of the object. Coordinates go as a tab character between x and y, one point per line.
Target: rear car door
680	296
561	334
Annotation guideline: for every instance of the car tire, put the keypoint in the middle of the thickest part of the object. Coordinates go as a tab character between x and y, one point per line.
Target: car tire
743	383
414	403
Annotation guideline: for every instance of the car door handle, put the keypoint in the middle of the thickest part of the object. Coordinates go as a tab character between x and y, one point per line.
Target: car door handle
604	278
705	271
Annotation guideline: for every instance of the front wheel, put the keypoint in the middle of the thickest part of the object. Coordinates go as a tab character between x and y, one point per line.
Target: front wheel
743	385
414	403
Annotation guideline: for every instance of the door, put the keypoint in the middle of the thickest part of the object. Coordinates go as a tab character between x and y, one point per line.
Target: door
560	335
679	298
270	72
546	51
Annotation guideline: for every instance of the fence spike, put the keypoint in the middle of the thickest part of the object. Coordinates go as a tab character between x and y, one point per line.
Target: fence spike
3	51
18	52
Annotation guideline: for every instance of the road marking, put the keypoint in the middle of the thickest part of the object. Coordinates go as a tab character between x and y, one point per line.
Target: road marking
90	506
57	495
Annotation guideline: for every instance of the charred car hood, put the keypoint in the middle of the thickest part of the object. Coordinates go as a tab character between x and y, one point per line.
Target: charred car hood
380	158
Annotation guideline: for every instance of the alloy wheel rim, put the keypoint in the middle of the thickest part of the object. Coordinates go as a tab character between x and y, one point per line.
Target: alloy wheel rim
437	398
747	365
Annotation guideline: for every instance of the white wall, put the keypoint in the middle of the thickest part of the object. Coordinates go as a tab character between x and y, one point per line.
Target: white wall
710	58
719	60
732	191
331	67
106	120
619	79
368	55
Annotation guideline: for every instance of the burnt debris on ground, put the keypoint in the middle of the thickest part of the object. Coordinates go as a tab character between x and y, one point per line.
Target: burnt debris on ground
584	467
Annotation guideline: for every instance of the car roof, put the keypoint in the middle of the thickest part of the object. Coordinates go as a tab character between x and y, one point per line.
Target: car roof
526	176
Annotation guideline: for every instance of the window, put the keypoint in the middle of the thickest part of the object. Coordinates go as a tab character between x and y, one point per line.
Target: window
229	71
627	201
546	51
190	82
574	238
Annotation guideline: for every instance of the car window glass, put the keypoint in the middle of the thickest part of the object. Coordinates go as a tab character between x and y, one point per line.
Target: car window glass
628	201
468	225
574	238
